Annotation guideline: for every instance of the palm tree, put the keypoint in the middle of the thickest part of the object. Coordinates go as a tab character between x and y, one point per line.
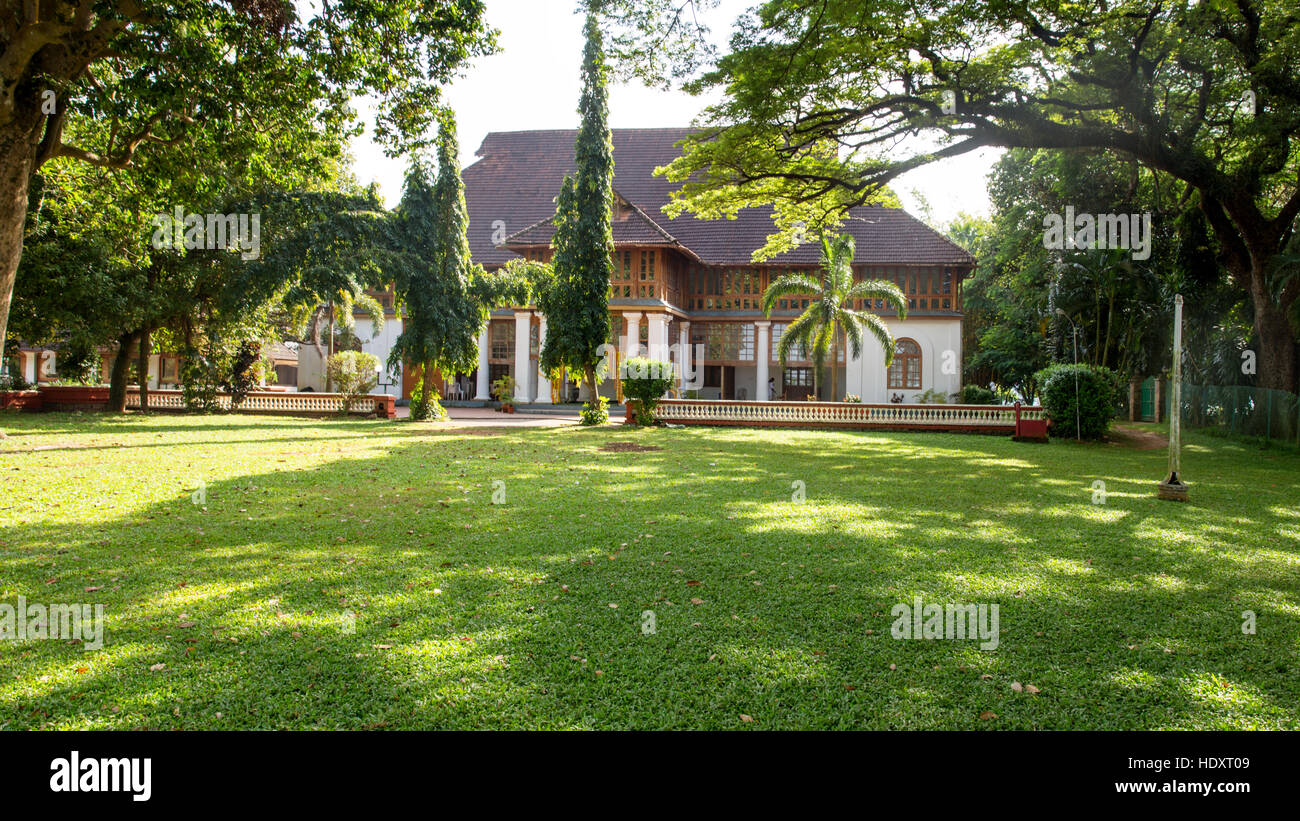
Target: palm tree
830	311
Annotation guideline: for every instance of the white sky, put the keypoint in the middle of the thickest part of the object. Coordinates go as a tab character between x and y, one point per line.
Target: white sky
533	83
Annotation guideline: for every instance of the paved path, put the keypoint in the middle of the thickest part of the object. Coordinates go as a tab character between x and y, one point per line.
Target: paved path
488	418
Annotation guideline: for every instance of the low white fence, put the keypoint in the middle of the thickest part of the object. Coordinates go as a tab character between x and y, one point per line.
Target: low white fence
990	418
282	402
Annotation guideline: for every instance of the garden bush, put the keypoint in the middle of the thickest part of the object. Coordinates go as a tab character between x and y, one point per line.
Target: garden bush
595	412
645	381
976	395
354	374
1098	398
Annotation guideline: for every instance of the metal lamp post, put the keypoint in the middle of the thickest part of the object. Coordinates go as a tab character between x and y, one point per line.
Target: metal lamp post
1173	487
1078	424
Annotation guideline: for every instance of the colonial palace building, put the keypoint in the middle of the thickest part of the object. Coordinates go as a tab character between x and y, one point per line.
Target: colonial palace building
691	282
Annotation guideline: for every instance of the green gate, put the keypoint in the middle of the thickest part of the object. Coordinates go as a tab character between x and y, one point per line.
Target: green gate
1147	404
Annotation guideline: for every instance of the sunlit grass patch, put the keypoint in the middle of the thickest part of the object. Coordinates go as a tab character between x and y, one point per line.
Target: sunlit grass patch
292	573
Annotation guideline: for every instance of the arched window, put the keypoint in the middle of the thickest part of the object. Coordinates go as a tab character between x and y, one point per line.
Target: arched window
905	372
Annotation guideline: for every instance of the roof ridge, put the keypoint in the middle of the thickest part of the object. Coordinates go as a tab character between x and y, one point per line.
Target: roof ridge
506	241
937	233
639	210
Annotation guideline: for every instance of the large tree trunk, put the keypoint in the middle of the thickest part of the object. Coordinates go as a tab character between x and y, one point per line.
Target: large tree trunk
329	385
1279	363
17	154
146	345
121	367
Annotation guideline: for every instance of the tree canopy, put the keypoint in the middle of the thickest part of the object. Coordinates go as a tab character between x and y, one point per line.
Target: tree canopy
577	302
107	83
827	101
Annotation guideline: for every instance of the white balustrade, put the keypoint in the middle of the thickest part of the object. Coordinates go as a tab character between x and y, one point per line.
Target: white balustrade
267	402
846	414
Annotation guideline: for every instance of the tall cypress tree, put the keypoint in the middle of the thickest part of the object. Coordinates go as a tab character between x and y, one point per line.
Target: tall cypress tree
577	305
442	318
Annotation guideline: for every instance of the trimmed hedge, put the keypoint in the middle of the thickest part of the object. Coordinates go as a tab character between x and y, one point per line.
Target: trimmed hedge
1098	398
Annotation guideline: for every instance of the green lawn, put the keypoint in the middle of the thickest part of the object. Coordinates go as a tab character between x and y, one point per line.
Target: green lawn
529	614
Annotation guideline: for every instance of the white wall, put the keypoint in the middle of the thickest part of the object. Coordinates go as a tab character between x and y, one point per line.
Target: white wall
940	343
381	345
311	367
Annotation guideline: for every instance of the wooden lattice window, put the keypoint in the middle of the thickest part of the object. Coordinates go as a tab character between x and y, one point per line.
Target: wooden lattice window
905	372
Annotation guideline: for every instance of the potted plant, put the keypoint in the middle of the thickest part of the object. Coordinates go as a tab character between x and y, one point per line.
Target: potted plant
504	388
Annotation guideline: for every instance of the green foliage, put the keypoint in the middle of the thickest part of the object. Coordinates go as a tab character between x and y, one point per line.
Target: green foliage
504	389
830	310
823	102
353	374
645	381
594	412
655	41
145	92
852	399
932	397
443	317
577	303
12	380
977	395
1091	391
518	282
78	361
202	367
244	372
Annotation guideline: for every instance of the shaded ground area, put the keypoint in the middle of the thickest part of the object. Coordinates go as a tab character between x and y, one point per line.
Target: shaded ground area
1135	438
295	573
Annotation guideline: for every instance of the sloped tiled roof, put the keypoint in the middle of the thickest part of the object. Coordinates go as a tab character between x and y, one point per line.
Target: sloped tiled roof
630	225
511	189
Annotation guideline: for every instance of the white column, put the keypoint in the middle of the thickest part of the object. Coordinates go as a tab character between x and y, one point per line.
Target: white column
543	384
658	336
523	365
762	352
632	334
683	355
482	388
